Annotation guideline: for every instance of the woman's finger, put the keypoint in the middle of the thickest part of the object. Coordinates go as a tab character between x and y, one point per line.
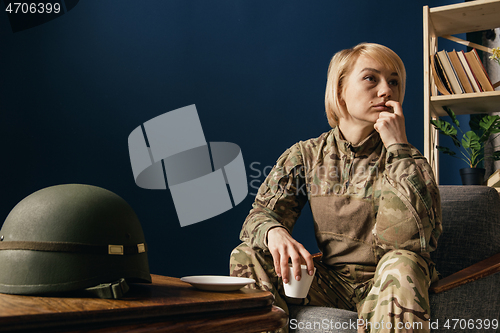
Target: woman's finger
285	272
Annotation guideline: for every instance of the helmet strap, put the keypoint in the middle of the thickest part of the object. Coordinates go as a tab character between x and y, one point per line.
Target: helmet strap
113	290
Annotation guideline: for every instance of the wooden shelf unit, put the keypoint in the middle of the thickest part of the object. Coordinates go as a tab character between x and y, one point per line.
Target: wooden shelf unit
442	21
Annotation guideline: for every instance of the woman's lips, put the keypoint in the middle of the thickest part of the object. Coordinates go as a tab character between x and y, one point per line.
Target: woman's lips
382	107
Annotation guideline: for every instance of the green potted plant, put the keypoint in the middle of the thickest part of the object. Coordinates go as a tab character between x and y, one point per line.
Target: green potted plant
471	146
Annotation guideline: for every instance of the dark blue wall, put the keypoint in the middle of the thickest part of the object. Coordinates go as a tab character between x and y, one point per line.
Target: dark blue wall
73	89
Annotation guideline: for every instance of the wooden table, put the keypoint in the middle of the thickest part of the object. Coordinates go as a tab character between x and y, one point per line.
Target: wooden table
166	305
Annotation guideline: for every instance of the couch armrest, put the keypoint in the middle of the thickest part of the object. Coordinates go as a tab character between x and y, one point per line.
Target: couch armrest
472	273
317	256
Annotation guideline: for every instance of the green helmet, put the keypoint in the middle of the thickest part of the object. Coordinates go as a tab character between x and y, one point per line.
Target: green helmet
72	237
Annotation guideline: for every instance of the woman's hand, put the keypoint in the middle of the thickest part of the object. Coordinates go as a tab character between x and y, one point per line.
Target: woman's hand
391	125
282	247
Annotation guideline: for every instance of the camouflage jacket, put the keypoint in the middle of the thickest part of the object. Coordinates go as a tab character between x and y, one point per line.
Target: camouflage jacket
365	199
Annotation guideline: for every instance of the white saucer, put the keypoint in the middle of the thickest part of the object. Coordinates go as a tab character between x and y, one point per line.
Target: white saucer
217	282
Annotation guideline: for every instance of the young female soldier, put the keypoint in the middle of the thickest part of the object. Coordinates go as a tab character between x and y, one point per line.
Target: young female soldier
373	197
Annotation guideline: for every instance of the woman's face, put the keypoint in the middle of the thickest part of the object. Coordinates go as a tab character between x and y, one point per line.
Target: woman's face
369	85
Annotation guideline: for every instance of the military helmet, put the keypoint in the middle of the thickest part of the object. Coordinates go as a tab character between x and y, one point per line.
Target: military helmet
72	237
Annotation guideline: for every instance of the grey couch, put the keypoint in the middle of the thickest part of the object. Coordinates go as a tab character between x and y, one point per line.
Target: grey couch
460	302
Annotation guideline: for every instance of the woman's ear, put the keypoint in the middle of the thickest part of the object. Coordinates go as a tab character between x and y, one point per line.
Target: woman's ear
340	94
340	99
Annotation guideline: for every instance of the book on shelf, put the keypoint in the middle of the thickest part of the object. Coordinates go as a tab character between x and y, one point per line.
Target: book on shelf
479	70
450	73
459	73
472	79
439	77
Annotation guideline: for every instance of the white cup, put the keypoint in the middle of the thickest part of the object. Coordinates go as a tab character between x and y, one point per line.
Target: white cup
298	289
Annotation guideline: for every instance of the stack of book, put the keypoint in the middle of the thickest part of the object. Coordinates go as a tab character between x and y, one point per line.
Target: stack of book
459	72
494	180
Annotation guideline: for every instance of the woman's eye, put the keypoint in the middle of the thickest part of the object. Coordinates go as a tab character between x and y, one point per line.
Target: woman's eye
394	82
369	78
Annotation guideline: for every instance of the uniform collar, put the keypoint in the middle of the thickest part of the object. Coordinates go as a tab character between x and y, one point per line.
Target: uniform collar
365	147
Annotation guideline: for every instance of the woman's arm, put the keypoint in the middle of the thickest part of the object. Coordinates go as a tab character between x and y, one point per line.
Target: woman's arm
277	206
409	214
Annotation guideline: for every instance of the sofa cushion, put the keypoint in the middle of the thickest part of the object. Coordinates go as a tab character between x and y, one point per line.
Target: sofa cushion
321	319
471	233
471	227
476	303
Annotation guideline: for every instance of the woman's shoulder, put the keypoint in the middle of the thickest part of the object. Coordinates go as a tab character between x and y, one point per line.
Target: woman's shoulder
312	146
305	150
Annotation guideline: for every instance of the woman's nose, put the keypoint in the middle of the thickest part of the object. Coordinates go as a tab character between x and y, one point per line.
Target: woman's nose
385	89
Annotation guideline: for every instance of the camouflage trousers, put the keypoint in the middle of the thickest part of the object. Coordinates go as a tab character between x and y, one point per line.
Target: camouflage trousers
391	297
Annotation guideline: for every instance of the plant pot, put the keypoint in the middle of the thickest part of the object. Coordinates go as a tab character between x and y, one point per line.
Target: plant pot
472	176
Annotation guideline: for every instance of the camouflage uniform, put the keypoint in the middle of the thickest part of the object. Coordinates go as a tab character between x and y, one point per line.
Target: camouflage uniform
377	217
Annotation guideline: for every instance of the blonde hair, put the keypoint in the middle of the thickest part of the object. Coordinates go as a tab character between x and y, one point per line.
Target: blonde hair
341	66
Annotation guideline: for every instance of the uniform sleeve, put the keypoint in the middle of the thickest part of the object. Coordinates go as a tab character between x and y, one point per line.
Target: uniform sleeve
409	213
279	201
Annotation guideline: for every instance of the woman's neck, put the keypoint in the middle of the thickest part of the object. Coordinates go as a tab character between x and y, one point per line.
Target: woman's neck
355	134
